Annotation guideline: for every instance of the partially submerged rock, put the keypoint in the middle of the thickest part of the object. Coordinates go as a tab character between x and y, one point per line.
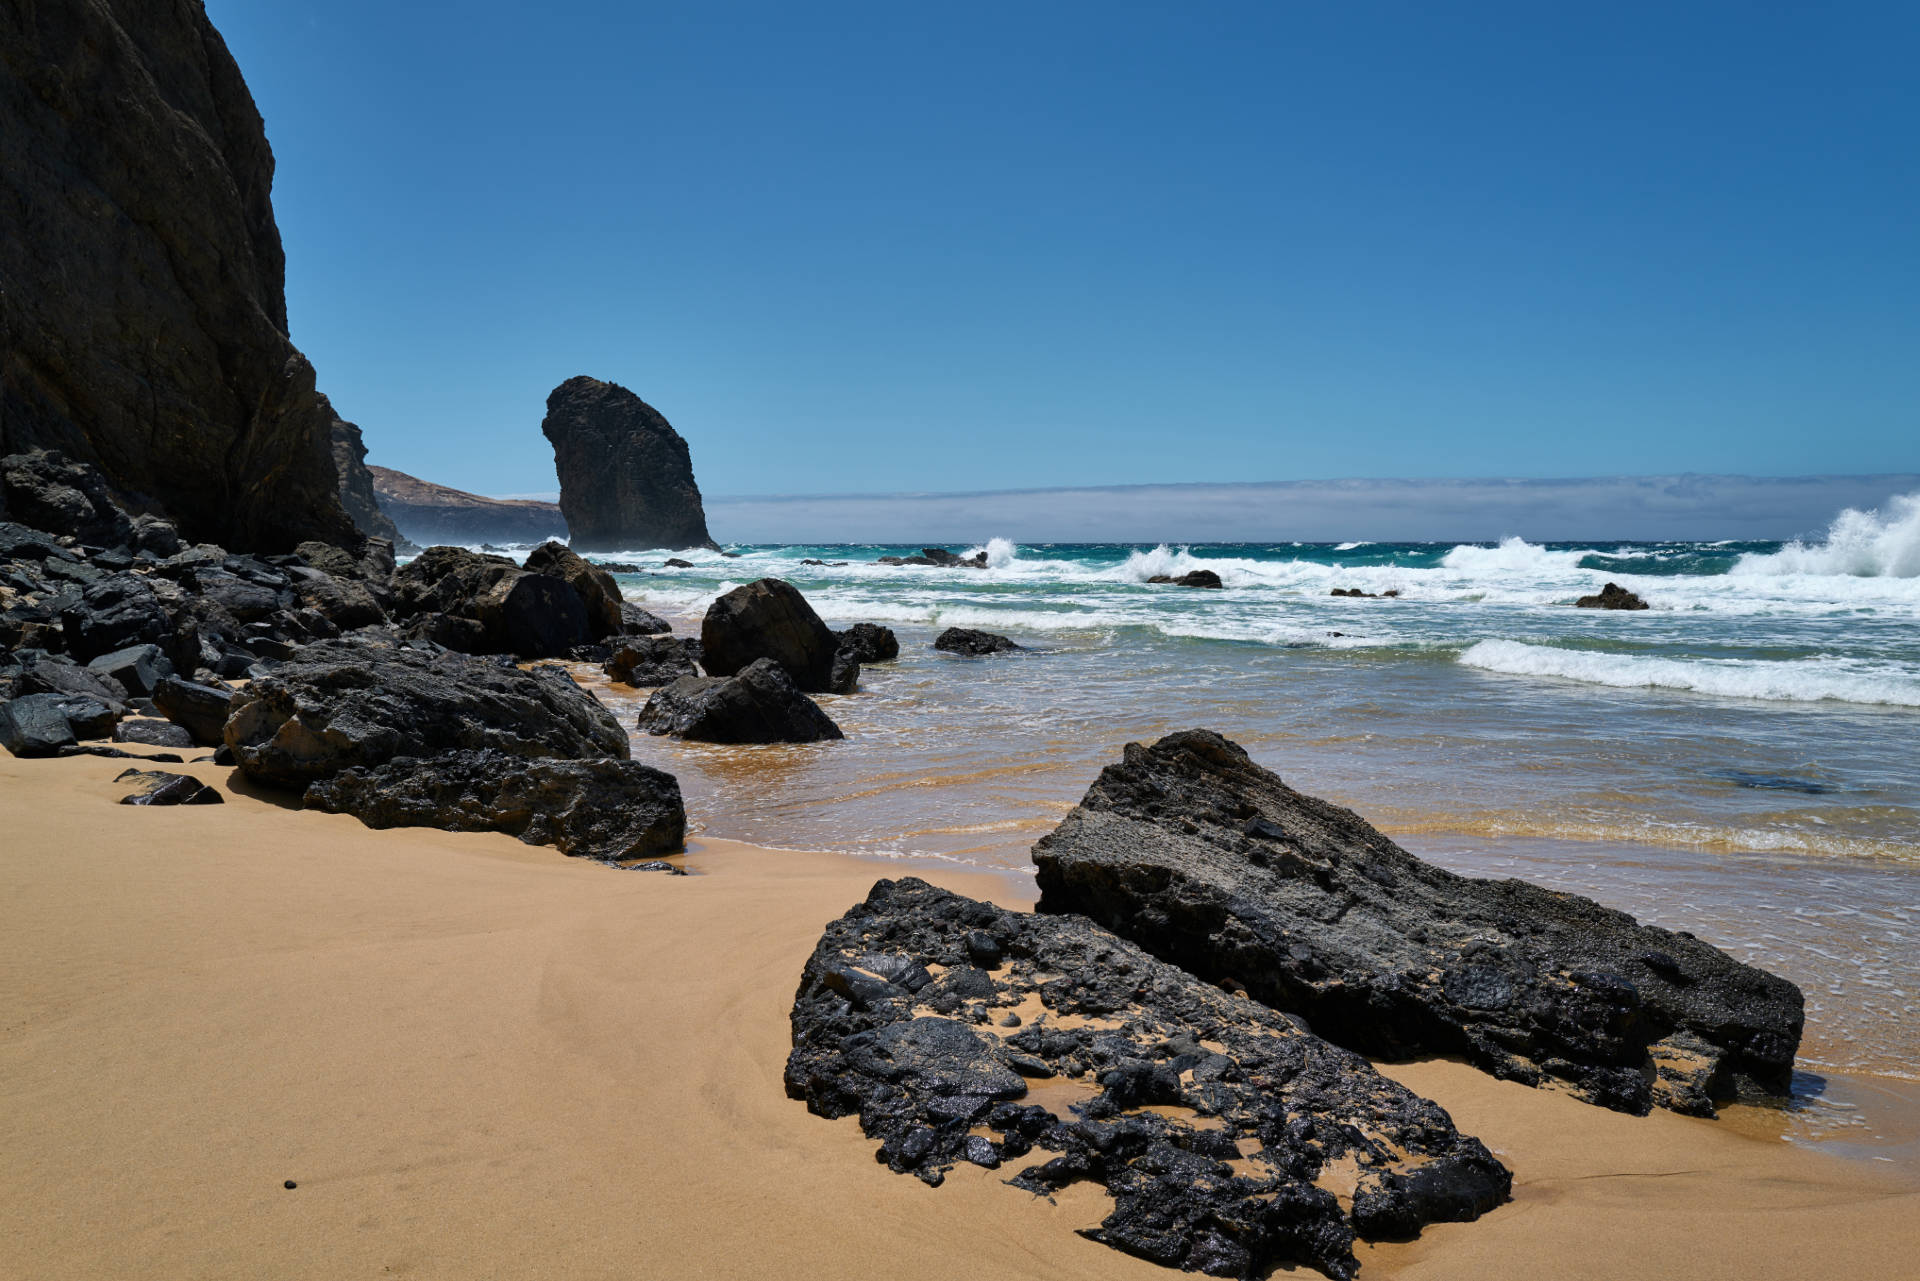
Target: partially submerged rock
1231	1139
769	618
966	640
1211	862
362	702
158	787
603	809
870	643
653	661
760	704
1193	578
1612	596
939	558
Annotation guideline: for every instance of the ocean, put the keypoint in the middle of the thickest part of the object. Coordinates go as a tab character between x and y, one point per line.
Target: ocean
1740	759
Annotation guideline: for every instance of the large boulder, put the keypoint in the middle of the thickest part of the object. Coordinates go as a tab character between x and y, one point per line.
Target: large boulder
1231	1139
653	661
604	809
1209	861
528	614
144	312
362	701
598	593
758	705
199	709
114	613
46	491
48	674
870	643
769	618
137	668
626	476
39	724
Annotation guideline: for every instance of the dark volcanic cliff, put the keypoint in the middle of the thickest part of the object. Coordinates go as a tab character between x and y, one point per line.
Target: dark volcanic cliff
356	482
143	320
626	476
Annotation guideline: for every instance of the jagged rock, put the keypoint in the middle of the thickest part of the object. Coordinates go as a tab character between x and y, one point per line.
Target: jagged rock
158	787
653	660
20	543
1193	578
46	674
531	615
428	513
761	704
37	724
342	601
626	476
362	702
199	709
356	482
870	643
965	640
45	490
152	733
674	562
603	809
939	558
112	614
245	600
137	668
635	621
769	618
145	314
1211	862
598	593
1226	1132
371	564
1612	596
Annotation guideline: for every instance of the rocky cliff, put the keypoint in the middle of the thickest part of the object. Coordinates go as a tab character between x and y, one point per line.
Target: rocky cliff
143	320
626	476
429	513
356	482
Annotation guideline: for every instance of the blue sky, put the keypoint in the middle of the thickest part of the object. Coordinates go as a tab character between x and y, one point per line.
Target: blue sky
874	248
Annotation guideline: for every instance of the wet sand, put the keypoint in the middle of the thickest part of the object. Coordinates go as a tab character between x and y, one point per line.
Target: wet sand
481	1059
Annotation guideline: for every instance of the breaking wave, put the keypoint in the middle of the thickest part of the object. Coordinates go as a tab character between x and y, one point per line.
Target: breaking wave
1809	680
1859	544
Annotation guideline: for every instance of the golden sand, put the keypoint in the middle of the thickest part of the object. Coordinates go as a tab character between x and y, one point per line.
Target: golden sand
480	1059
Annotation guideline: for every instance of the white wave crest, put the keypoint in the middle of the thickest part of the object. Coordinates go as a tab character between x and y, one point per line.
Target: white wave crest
1859	544
1001	552
1513	555
1803	681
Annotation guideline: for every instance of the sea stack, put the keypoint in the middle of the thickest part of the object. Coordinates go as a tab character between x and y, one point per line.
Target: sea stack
144	314
626	476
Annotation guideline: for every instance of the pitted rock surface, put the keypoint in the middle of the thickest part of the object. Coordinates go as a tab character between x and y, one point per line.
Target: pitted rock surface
1230	1138
1209	861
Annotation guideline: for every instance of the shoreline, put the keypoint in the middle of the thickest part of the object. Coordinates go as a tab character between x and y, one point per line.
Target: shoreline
477	1057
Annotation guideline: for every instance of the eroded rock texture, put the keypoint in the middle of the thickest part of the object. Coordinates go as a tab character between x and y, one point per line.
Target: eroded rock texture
760	704
143	323
1211	862
769	618
1230	1138
626	476
356	482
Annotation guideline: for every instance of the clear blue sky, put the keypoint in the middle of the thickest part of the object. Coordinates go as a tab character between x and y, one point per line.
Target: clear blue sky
854	248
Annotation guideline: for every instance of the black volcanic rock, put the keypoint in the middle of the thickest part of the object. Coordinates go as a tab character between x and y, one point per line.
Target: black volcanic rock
626	476
158	787
769	618
143	324
595	587
517	612
1612	596
199	709
653	660
870	643
356	482
1193	578
44	490
1212	863
967	640
760	704
1222	1129
605	809
361	702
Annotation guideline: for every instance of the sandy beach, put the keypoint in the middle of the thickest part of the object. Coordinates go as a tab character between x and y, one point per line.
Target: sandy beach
477	1058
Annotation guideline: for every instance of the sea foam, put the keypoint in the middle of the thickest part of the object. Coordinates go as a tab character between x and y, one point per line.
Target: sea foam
1859	544
1809	680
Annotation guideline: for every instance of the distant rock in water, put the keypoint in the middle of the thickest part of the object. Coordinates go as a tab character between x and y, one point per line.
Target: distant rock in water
626	476
356	482
968	640
428	513
144	310
1194	578
938	557
1612	596
1210	862
870	643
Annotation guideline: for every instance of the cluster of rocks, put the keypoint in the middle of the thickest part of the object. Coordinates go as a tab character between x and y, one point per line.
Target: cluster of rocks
762	650
1612	596
1354	593
390	694
938	558
1181	1019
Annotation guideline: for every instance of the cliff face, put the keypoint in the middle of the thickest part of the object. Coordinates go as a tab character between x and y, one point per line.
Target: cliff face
356	482
142	309
429	513
626	476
